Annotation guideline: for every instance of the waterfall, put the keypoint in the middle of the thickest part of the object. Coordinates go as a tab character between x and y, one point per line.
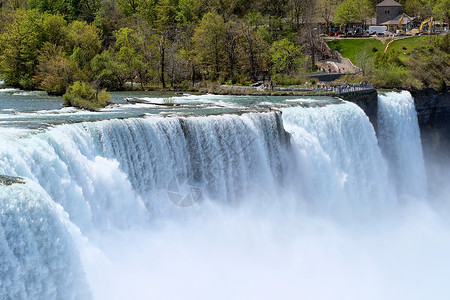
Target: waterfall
38	259
155	196
399	137
117	173
339	162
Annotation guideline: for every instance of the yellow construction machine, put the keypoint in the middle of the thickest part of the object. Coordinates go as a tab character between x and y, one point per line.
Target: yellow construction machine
425	22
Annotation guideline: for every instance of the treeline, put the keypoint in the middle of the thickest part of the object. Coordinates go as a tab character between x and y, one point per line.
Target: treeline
108	43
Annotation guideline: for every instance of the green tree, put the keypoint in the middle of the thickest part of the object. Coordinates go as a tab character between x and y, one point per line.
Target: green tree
165	27
209	47
20	42
85	37
346	13
128	51
441	10
108	71
69	8
255	44
55	72
82	95
285	56
189	11
130	7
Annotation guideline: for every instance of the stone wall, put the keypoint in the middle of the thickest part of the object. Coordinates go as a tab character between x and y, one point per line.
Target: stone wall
387	13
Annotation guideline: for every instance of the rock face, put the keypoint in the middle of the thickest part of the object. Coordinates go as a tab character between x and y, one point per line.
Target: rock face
368	101
433	111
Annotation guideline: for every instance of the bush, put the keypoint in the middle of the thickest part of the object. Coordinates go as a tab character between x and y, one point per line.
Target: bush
389	76
82	95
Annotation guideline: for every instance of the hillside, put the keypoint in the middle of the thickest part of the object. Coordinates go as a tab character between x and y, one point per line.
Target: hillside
410	62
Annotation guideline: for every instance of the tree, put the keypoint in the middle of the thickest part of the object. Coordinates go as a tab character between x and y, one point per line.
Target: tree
209	47
165	26
364	61
85	37
109	72
128	51
366	10
232	34
256	55
326	10
89	9
70	8
20	42
55	72
82	95
189	11
286	57
441	10
346	13
55	30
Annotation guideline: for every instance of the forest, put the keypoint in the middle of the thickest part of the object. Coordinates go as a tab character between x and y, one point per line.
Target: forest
142	44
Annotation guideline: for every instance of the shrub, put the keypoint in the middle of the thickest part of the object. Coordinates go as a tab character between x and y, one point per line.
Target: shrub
389	76
82	95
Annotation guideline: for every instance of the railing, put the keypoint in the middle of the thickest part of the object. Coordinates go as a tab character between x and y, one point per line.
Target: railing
332	89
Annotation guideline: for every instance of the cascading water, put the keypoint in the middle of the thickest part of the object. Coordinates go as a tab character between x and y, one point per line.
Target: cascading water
328	141
217	207
400	141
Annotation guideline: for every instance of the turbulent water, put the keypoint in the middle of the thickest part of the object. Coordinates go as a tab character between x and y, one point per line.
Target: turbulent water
306	202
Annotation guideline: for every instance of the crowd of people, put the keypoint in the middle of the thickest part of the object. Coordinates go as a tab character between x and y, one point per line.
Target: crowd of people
344	88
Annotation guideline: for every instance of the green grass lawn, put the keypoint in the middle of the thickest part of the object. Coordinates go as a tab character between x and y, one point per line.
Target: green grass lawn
350	47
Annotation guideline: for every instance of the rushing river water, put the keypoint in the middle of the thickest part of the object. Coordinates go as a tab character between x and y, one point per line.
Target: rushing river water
217	197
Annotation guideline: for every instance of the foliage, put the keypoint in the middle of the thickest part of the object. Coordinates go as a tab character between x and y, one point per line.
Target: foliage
346	13
20	42
429	65
109	72
391	57
209	45
85	37
82	95
109	43
55	71
364	60
389	76
441	10
68	8
285	56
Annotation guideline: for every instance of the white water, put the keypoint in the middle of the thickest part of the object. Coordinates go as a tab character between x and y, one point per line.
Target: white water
327	217
400	140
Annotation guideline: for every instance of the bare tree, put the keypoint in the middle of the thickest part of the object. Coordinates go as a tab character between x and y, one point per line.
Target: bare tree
364	61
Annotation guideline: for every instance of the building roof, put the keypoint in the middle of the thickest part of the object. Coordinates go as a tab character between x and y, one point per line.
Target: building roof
388	3
406	20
